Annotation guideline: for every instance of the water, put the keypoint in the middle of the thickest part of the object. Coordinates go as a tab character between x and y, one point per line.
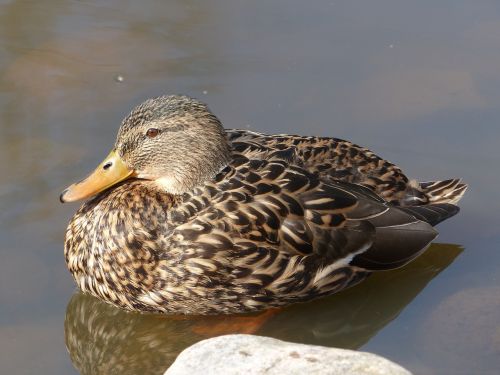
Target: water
418	82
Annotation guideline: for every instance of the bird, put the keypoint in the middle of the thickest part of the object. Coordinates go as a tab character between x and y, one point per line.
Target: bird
186	217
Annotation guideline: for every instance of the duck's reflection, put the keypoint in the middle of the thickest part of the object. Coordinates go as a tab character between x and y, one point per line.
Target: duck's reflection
102	339
350	318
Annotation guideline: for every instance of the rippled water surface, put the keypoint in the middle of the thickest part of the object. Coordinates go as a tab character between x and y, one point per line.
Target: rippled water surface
417	82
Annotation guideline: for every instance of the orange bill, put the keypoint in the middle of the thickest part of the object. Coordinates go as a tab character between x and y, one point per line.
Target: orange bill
110	172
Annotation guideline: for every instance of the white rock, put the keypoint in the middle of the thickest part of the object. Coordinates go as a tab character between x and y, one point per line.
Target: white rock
248	354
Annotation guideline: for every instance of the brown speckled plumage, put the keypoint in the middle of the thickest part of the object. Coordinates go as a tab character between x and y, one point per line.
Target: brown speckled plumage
288	219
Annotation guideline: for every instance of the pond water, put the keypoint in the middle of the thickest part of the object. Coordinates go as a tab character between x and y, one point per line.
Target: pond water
417	82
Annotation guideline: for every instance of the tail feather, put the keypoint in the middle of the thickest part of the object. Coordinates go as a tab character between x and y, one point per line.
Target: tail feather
446	191
432	213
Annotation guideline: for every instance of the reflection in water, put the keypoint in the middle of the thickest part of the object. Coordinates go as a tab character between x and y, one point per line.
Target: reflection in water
349	319
102	339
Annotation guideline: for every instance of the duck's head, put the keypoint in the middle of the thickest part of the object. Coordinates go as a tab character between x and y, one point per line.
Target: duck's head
173	140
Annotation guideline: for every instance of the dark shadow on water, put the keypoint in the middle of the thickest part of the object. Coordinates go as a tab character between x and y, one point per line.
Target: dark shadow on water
102	339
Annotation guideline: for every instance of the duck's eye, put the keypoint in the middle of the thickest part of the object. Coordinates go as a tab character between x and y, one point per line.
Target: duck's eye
152	132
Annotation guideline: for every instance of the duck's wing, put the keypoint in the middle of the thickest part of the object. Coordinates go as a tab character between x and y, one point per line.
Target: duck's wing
396	236
266	232
283	208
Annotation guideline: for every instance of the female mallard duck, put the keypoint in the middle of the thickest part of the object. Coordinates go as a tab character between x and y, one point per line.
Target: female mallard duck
191	218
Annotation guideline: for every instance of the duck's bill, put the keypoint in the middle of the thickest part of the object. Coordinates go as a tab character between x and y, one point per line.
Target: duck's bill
110	172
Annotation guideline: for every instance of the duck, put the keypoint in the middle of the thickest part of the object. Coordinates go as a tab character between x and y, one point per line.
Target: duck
186	217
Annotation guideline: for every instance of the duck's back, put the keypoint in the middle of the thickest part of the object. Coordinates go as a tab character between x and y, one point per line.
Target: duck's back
340	160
